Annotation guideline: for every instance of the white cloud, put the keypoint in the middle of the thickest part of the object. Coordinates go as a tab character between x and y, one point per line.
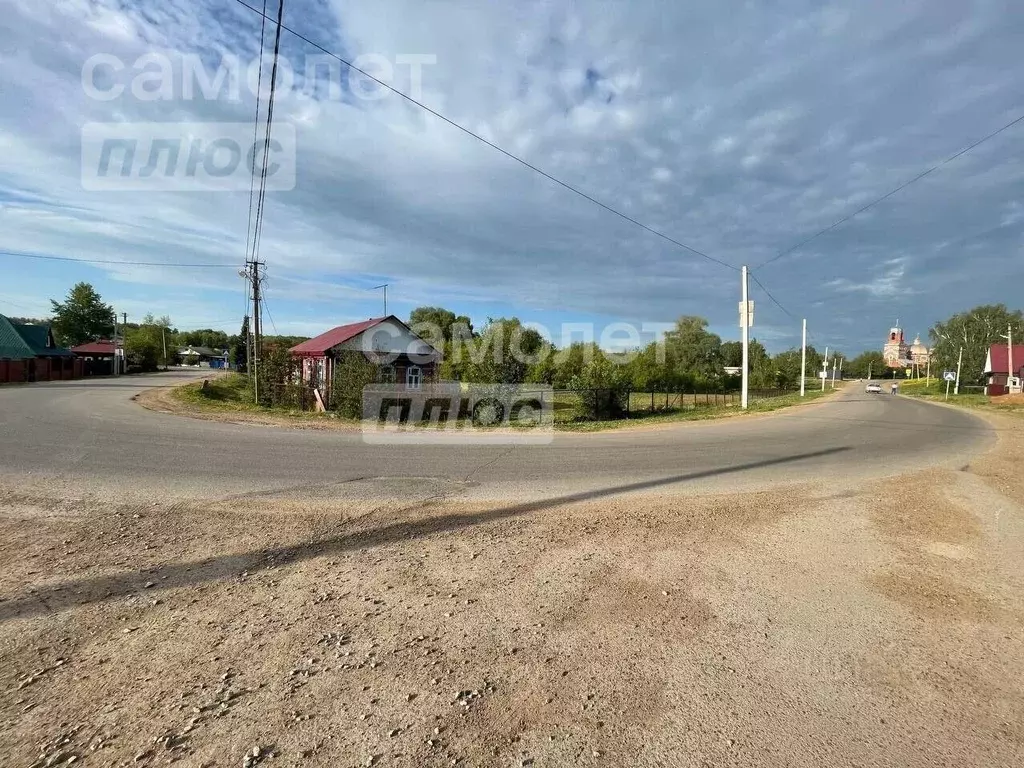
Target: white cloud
739	132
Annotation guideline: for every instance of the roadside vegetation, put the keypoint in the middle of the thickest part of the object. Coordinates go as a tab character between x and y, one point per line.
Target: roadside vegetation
232	394
935	390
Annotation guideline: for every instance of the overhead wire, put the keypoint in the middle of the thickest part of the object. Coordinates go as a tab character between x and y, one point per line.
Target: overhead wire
889	194
496	147
255	131
115	262
258	232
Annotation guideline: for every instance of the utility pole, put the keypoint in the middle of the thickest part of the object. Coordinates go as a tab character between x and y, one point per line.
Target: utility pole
803	360
248	339
928	380
834	361
745	327
124	337
824	369
1009	355
959	365
253	355
870	363
163	337
116	371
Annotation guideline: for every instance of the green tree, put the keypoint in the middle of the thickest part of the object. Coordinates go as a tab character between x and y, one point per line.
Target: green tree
975	331
239	351
144	345
732	354
81	317
505	352
866	364
695	353
602	388
353	372
437	324
646	372
206	337
569	362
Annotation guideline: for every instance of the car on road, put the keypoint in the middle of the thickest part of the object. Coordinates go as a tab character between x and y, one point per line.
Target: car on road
873	388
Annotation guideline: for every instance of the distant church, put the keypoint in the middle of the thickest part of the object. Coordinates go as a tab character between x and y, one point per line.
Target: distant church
899	354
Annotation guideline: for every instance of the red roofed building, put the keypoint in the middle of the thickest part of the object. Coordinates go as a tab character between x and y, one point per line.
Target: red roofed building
98	357
997	367
404	358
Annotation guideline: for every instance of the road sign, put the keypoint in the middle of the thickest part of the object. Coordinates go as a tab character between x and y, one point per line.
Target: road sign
949	375
746	318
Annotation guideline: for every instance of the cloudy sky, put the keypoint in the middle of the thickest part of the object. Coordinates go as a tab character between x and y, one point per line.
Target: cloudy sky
736	128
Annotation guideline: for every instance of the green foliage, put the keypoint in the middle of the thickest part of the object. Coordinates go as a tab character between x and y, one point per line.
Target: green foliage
278	379
975	331
439	325
239	350
504	353
867	364
145	344
81	317
602	389
570	362
352	373
694	353
207	337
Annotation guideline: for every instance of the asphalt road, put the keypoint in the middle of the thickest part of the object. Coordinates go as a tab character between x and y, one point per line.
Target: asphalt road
89	433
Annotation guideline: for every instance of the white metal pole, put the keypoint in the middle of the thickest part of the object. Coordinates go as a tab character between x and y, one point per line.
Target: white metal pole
115	344
745	321
1009	355
824	369
959	364
834	361
803	360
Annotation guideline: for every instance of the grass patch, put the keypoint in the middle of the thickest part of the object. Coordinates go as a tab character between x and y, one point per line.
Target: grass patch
698	413
231	393
936	392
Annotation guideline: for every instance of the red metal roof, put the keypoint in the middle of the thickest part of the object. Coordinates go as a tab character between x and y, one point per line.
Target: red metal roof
101	347
318	346
998	355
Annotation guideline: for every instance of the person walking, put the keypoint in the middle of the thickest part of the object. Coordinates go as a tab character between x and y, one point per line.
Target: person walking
895	387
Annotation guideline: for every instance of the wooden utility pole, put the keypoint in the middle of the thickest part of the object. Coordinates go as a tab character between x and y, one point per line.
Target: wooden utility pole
253	350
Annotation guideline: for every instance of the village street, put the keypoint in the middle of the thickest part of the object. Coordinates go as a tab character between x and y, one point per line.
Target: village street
796	589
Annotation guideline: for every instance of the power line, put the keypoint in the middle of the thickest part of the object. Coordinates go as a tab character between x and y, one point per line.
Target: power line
255	129
258	232
111	261
263	300
887	195
494	146
769	295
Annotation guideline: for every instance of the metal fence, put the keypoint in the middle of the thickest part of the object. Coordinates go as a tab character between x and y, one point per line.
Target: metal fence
600	404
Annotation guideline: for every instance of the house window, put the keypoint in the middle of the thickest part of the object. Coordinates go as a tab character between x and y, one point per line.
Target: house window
413	377
388	375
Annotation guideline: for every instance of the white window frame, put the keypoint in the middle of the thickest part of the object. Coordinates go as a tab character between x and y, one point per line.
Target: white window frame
413	377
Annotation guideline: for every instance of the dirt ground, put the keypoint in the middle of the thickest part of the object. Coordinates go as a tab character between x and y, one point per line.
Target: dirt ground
835	625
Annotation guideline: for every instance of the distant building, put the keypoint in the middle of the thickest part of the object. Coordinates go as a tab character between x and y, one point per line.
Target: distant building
920	355
896	351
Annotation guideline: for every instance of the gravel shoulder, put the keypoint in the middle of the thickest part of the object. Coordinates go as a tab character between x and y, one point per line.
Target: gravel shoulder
840	623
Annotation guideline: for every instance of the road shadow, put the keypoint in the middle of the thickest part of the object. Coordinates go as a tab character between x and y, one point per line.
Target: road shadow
71	594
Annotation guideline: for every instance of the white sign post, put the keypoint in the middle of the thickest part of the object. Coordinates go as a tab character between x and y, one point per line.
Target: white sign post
949	376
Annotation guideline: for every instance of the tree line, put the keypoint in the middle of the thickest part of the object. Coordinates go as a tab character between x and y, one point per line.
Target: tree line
152	343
